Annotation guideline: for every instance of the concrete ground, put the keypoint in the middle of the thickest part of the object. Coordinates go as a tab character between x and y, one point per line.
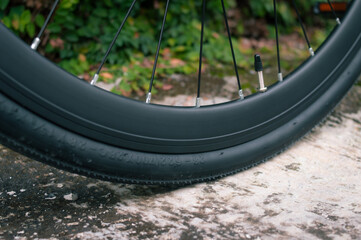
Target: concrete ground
311	191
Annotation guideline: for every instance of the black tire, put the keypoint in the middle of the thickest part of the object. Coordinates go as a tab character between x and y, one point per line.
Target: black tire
51	116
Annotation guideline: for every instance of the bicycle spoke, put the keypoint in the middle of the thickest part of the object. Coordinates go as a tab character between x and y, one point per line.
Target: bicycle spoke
96	76
149	94
280	77
303	28
37	40
240	91
198	100
334	13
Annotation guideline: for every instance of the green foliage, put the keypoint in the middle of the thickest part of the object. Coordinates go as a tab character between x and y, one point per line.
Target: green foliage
80	32
285	11
20	20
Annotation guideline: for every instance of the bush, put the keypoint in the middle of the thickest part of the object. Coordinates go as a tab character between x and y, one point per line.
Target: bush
81	31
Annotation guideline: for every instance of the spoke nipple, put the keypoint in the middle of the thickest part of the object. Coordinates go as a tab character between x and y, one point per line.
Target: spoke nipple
241	95
280	77
35	43
149	97
95	79
338	21
311	52
258	67
198	102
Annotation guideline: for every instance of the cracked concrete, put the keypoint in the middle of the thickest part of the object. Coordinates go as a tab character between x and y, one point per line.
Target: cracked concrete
311	191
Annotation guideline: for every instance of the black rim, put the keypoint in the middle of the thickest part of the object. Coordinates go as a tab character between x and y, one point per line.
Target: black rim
61	98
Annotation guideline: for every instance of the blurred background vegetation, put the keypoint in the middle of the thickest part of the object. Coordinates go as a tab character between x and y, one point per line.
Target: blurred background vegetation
80	32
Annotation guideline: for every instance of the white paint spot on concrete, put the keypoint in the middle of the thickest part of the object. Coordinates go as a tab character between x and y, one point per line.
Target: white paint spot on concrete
71	197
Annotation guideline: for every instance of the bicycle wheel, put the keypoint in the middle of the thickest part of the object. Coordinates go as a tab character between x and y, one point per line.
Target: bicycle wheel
51	116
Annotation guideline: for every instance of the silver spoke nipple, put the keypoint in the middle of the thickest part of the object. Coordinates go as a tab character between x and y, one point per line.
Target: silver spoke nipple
311	52
35	43
198	102
338	21
95	79
259	69
241	95
280	77
149	97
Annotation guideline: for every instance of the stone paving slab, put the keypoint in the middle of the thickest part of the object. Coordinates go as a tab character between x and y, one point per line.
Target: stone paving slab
311	191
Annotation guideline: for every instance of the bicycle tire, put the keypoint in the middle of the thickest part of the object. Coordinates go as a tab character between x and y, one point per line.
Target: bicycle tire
48	115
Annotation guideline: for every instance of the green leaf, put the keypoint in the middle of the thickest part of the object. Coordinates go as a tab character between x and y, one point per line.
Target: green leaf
30	29
72	37
66	4
3	4
24	20
7	22
39	20
25	17
53	28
